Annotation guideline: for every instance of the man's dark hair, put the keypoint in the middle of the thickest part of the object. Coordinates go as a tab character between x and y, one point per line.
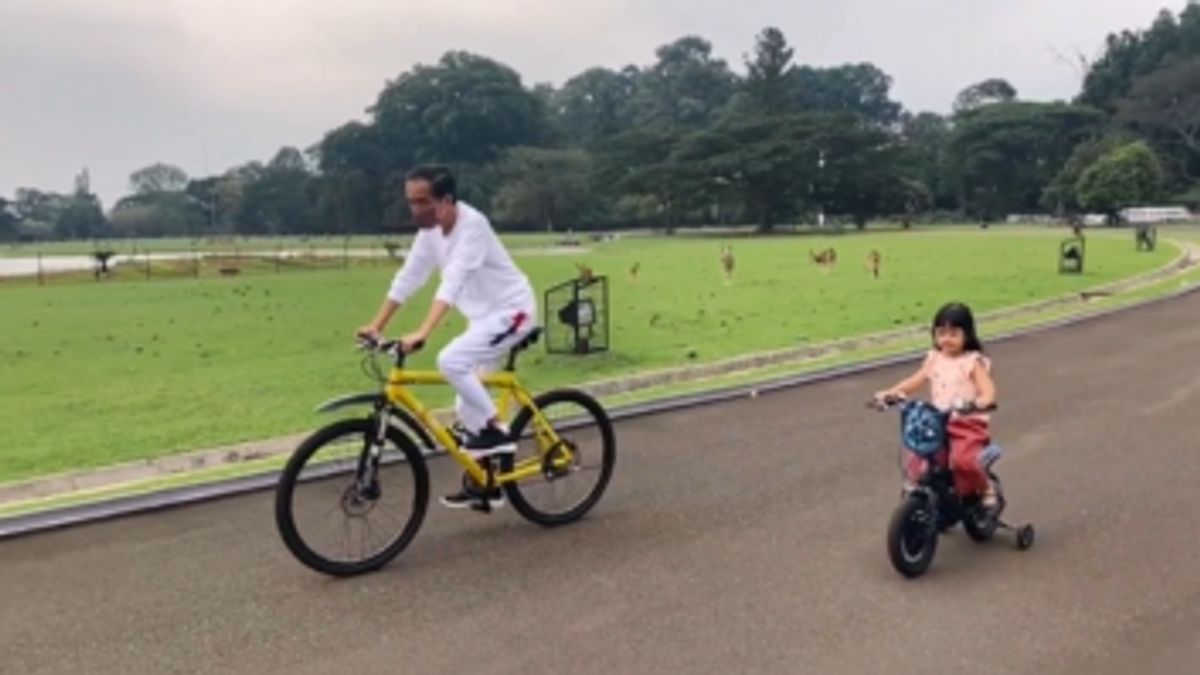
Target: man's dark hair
441	181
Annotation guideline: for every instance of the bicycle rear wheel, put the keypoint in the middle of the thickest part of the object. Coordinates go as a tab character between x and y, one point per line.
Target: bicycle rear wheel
562	494
343	510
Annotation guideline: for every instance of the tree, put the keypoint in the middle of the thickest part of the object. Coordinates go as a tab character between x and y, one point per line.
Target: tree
162	214
279	201
217	198
860	89
81	219
8	221
862	176
465	109
1060	195
767	163
542	187
545	94
925	139
1132	54
35	205
74	216
773	164
686	87
917	198
83	183
462	112
983	93
158	178
35	230
288	159
595	105
1127	176
353	161
278	204
349	201
768	73
132	219
1003	155
1189	197
639	164
81	216
159	205
1166	105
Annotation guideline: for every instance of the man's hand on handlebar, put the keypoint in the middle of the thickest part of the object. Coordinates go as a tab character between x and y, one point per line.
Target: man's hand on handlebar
412	342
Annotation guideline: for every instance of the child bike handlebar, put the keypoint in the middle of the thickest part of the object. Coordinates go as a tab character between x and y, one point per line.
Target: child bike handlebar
962	407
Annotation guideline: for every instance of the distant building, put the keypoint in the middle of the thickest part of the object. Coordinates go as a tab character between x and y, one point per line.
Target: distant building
1155	214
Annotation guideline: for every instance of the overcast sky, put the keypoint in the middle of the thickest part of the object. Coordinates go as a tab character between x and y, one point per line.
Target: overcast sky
115	85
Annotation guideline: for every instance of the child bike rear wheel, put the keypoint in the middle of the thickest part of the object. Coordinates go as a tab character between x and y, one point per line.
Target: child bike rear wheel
980	524
1025	537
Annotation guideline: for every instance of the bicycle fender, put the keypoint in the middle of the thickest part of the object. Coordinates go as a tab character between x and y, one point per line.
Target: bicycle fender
350	400
374	399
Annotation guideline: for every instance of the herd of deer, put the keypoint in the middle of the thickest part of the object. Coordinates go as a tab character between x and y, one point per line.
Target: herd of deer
825	259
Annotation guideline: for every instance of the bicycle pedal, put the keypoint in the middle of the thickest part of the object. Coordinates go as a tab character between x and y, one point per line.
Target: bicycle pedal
482	504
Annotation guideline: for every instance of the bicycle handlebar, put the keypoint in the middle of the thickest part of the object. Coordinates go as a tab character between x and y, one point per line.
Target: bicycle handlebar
393	348
962	408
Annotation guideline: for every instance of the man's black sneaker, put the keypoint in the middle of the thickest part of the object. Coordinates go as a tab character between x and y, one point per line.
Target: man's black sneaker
466	498
490	441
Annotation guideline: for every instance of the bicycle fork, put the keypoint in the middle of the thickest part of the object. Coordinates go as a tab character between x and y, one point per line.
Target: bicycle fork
367	480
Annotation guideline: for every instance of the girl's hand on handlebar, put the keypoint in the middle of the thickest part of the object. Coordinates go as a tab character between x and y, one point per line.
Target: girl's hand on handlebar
968	407
886	398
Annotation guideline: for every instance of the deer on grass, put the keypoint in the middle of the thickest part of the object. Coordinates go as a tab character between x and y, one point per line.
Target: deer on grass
826	259
874	262
727	262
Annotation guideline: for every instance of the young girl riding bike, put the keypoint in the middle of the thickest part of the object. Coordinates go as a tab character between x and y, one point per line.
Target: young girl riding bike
958	373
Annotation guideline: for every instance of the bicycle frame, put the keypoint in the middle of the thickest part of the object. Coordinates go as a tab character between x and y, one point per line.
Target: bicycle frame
398	394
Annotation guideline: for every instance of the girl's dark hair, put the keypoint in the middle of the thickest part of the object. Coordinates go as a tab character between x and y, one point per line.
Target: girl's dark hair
958	315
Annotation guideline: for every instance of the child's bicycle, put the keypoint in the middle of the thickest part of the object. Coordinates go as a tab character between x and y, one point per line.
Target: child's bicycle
372	475
933	506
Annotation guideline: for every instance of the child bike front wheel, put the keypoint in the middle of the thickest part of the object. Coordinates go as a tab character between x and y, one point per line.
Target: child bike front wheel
913	536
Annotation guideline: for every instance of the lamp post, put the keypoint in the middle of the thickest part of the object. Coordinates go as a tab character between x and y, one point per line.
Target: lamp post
820	175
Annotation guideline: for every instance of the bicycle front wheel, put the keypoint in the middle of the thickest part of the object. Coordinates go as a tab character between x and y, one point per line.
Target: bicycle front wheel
345	507
564	491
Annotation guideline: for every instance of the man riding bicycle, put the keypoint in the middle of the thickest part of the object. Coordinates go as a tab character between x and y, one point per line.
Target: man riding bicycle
480	279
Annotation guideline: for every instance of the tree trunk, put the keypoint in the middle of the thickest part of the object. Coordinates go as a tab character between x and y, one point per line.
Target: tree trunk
765	220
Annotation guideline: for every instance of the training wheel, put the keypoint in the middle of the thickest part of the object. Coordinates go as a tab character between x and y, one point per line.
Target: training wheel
1025	537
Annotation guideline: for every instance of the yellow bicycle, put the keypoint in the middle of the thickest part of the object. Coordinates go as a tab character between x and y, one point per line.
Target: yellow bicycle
371	481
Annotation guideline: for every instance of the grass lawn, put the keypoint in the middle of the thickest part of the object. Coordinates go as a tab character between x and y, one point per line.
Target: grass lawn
244	244
102	373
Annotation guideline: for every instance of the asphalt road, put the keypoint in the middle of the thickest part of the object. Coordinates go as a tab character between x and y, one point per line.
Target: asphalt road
746	537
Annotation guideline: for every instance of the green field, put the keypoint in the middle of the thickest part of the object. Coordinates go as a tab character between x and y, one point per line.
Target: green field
100	373
243	244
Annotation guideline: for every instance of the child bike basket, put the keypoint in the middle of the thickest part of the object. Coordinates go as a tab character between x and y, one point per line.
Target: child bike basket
922	428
